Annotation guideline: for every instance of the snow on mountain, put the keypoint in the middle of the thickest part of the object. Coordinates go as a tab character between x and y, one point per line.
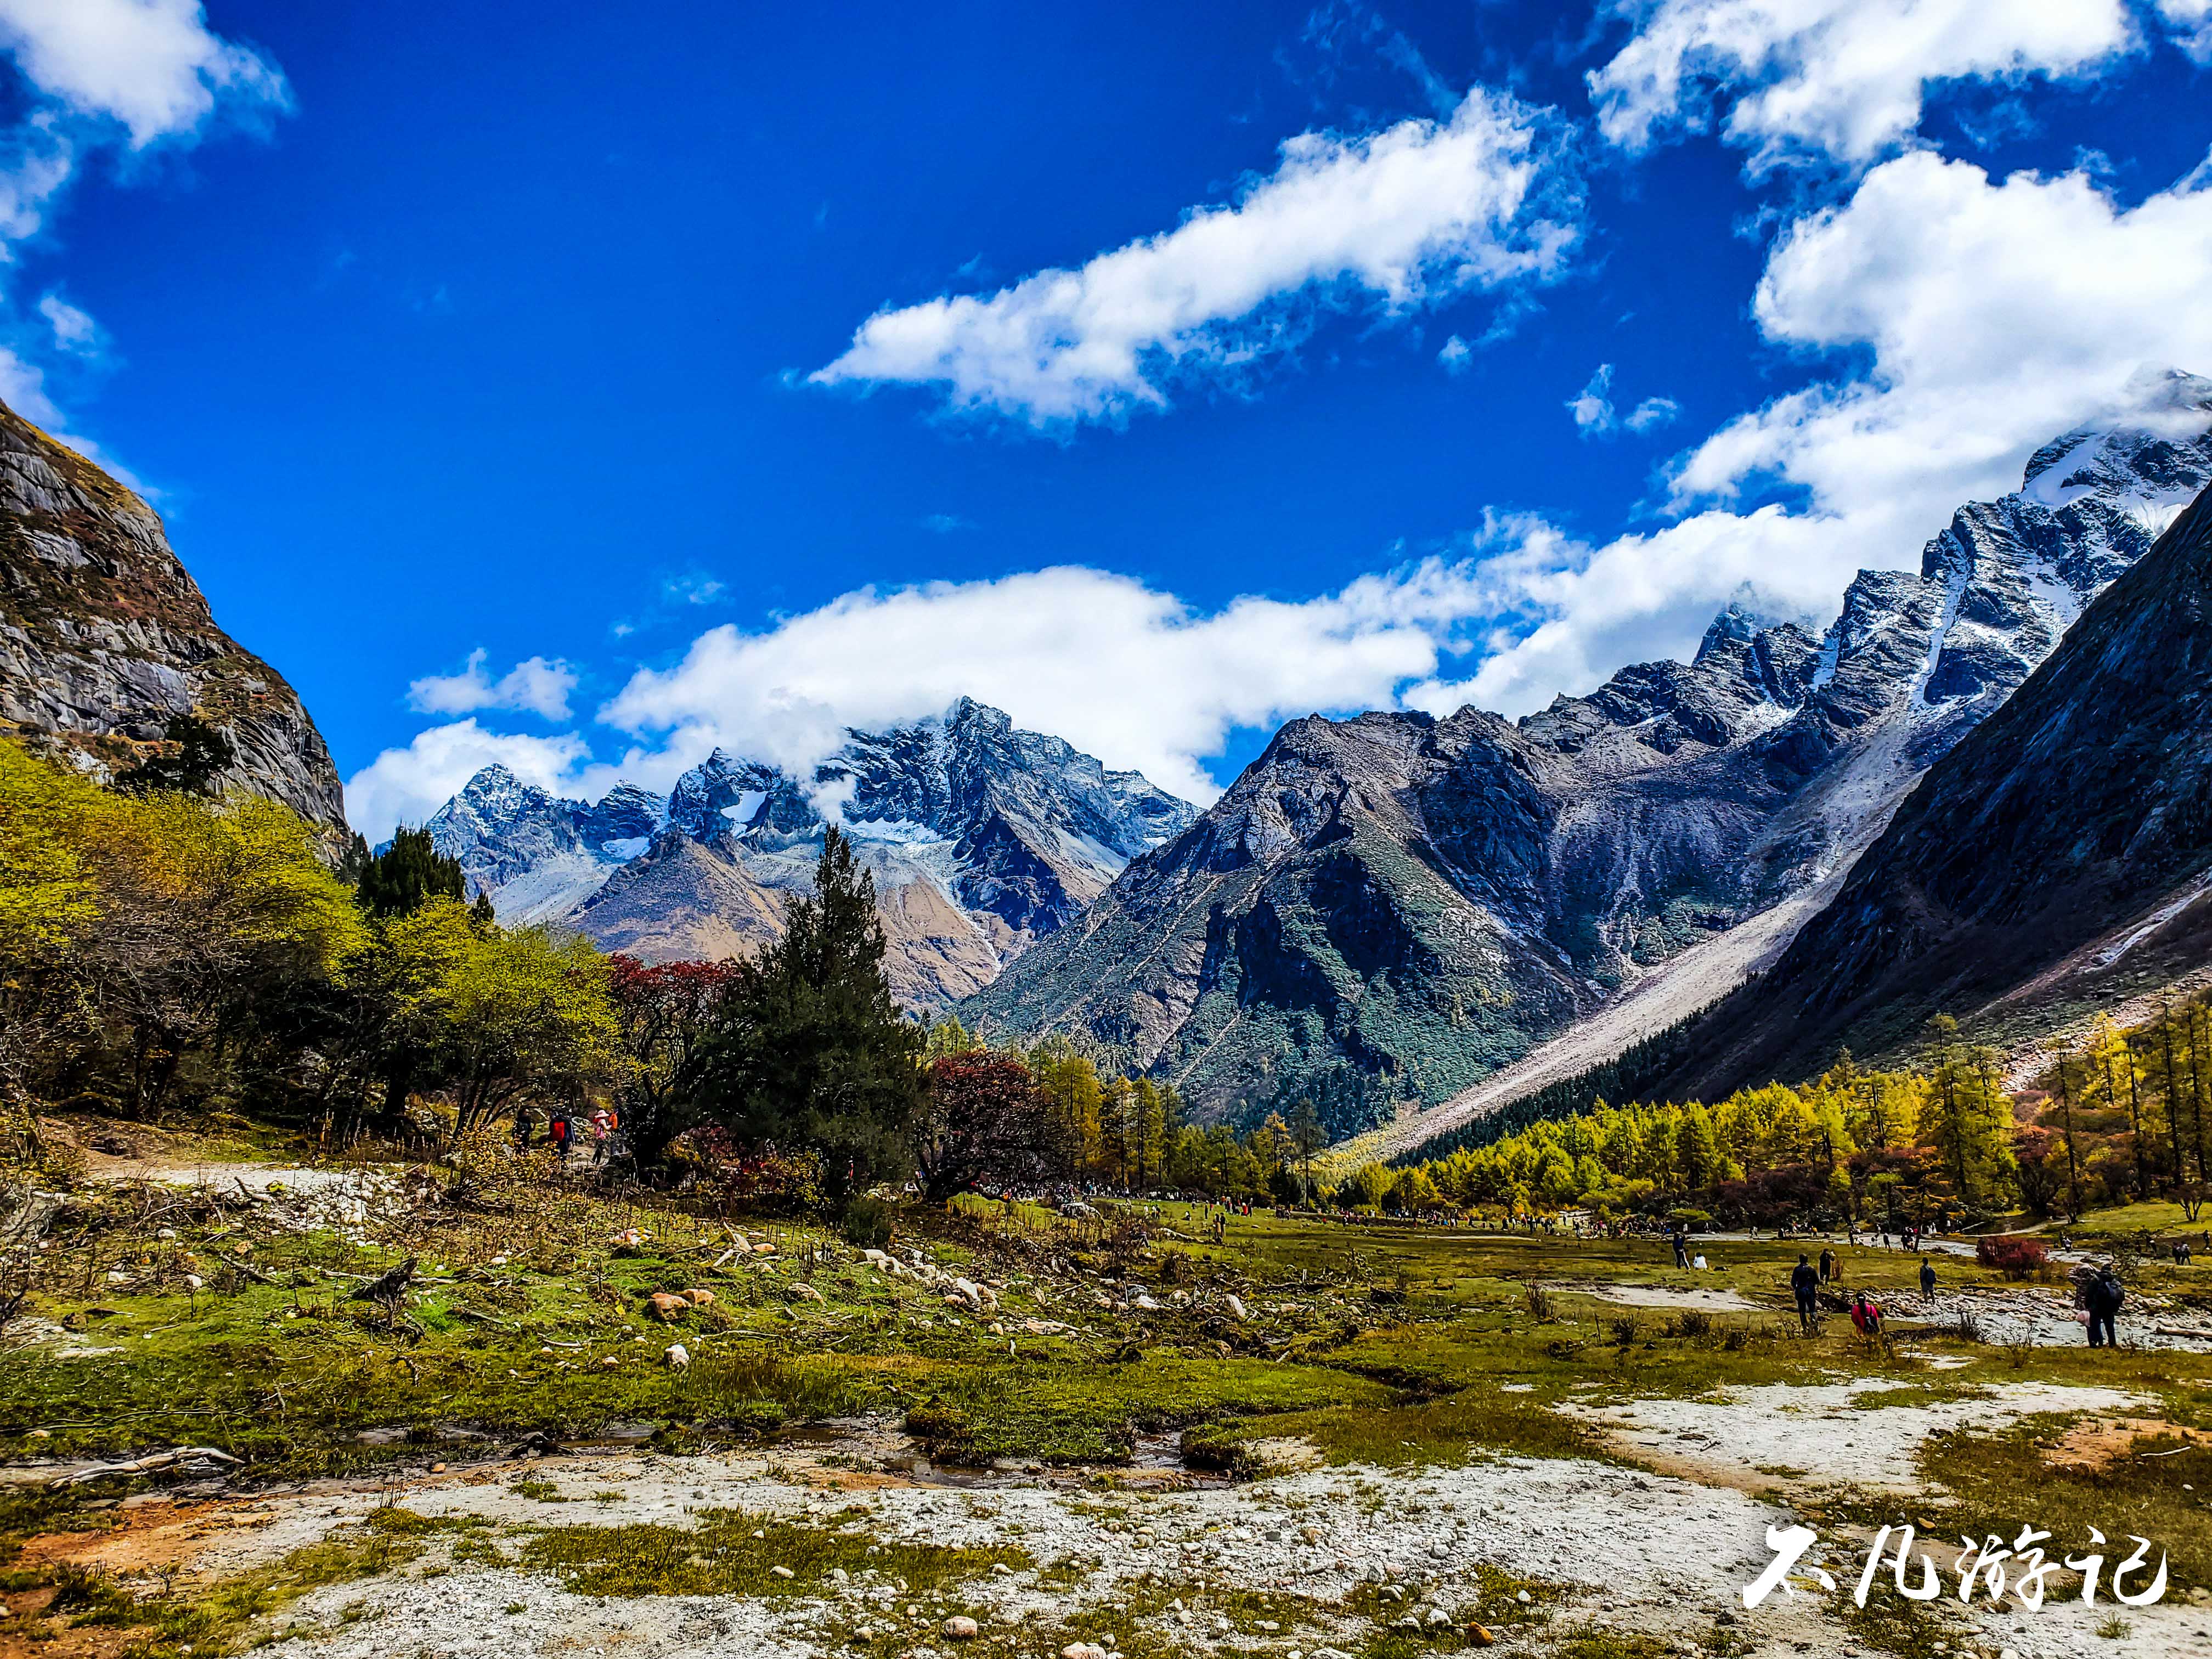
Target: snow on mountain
982	838
538	855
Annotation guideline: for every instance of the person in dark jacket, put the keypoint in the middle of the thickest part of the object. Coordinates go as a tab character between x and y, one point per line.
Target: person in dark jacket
1927	1278
2102	1297
1828	1274
1805	1282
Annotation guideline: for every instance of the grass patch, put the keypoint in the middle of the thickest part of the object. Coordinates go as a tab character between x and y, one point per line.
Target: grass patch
218	1618
2001	1481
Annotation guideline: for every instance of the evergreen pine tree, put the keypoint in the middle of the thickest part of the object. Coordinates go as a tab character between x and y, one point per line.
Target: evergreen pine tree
810	1051
203	755
407	875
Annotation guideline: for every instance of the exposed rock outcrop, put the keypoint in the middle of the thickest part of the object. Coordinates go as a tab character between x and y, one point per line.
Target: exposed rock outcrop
2079	814
105	637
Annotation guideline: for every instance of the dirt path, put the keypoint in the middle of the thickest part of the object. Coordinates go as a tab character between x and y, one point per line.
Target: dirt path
1659	1296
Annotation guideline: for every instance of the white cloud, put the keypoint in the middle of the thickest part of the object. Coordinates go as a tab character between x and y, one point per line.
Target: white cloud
1417	213
1844	79
74	331
1569	614
1595	416
1455	355
405	785
1592	407
1121	671
94	73
2192	23
693	589
1993	316
1996	314
154	66
538	685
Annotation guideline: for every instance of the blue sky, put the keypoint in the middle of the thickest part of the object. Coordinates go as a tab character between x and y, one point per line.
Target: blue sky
582	386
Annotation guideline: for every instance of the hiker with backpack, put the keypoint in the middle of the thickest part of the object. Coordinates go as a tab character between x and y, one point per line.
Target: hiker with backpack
1866	1316
1805	1283
2102	1298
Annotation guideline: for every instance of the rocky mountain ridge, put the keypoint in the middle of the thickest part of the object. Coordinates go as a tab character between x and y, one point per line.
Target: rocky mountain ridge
982	838
105	637
1428	900
2069	833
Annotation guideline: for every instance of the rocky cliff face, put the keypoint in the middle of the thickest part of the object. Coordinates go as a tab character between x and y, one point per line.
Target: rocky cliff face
2072	827
981	839
1428	900
105	637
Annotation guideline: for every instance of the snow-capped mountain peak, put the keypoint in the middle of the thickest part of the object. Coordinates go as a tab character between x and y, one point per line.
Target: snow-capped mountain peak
982	838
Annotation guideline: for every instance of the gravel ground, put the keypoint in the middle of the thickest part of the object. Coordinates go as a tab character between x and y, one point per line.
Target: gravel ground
1839	1433
1638	1551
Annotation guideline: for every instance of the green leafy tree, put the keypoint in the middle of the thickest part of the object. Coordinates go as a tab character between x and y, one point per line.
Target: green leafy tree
1306	1138
494	1019
1966	1121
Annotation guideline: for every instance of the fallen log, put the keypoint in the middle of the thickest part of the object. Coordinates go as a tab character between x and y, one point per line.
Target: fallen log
192	1460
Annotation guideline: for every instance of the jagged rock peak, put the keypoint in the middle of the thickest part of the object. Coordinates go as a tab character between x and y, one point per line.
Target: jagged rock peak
982	838
501	829
2146	455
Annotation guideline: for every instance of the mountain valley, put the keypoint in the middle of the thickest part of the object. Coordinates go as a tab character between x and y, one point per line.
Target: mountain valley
1430	901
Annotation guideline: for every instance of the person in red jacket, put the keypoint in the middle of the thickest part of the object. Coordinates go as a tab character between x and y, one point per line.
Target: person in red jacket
1865	1316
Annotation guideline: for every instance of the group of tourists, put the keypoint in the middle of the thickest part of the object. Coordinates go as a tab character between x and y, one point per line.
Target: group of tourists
2099	1297
562	1132
1805	1282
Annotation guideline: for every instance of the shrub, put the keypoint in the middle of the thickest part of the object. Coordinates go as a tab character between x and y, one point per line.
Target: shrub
2015	1258
869	1222
1214	1446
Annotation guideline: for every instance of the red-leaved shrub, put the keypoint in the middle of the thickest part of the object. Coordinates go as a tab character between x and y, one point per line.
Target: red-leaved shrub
2015	1258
